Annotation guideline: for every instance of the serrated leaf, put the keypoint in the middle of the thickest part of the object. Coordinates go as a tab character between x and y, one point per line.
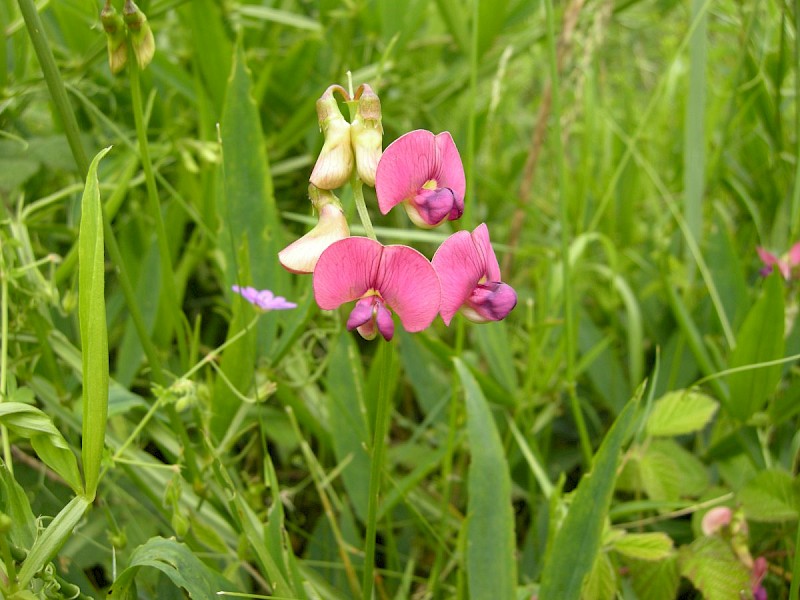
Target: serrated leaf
491	564
601	584
771	496
178	563
680	412
644	546
655	580
712	567
760	339
669	472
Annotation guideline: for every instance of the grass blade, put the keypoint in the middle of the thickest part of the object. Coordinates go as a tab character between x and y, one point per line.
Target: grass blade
491	564
94	337
577	542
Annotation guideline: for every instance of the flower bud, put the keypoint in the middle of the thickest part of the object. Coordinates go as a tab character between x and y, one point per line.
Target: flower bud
335	162
114	26
366	134
302	255
142	41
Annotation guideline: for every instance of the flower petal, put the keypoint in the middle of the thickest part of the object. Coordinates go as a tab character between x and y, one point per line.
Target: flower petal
768	258
409	285
794	255
449	168
301	256
263	299
385	323
480	236
490	302
460	266
405	166
429	208
361	313
346	271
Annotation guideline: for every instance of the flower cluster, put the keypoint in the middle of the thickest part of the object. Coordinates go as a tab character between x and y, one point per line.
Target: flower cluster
423	173
788	265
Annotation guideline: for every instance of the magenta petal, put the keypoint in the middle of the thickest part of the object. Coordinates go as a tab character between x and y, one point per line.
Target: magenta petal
409	285
361	313
460	267
345	271
404	167
385	322
490	302
480	236
450	170
794	255
434	206
768	258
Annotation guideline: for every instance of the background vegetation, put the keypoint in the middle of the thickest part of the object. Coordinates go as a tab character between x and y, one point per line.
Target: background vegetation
651	143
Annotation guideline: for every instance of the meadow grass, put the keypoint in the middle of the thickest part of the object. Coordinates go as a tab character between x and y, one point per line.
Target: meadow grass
161	437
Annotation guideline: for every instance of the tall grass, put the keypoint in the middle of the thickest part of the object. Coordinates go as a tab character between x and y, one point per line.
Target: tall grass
159	434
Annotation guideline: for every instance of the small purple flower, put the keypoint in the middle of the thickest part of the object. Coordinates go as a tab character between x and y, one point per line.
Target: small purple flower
263	299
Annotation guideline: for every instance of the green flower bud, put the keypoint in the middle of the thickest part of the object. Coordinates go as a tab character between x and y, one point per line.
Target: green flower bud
142	41
366	134
335	162
114	26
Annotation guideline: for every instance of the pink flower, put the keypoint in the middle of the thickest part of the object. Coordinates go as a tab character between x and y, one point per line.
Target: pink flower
423	172
470	278
301	255
381	279
715	519
263	299
785	265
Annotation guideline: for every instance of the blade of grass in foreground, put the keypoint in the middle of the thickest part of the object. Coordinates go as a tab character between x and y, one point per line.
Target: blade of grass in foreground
94	338
577	542
491	565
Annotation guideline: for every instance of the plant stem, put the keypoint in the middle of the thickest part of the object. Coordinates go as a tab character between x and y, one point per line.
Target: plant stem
54	82
795	218
378	454
4	357
154	206
570	325
361	205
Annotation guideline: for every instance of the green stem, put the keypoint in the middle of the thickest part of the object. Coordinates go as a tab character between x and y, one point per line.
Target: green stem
795	586
473	115
570	325
361	206
54	82
4	357
795	219
154	206
378	454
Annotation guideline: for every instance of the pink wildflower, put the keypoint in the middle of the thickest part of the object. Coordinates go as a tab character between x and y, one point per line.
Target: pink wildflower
785	264
263	299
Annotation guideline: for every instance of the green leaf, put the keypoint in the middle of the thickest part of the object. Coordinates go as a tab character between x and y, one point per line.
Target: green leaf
94	338
760	339
644	546
601	584
14	503
712	567
492	339
491	563
668	471
178	563
31	423
49	542
771	496
577	542
655	580
680	412
345	383
250	223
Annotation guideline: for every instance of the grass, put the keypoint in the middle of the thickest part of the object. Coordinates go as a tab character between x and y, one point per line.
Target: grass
628	158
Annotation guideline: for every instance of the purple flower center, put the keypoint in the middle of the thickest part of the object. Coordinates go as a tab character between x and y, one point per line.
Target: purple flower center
371	316
435	205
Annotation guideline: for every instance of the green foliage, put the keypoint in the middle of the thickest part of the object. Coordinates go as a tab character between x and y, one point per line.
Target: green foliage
230	450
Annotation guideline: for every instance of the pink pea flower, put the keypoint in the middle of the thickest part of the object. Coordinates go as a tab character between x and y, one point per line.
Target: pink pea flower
785	264
381	279
263	299
422	171
760	568
470	278
715	519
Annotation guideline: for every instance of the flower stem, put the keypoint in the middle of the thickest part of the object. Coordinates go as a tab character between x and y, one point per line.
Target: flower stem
4	358
378	454
570	325
361	206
